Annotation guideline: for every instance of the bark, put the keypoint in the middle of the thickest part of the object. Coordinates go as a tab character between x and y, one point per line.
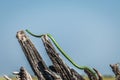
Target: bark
116	70
7	78
99	75
23	74
59	66
37	64
59	70
90	75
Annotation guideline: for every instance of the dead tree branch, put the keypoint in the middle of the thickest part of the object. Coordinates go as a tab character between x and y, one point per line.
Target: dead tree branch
59	66
23	74
116	70
7	78
32	55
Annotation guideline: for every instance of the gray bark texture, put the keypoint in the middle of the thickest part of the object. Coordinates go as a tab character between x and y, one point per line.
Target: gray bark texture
59	70
59	66
116	70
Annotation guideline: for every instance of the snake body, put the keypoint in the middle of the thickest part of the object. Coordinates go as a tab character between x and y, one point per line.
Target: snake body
63	52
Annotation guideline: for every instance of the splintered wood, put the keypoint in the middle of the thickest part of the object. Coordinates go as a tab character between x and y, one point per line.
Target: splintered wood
31	54
22	75
58	64
59	70
116	70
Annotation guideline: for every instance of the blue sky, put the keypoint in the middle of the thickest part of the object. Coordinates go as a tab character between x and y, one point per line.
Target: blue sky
88	30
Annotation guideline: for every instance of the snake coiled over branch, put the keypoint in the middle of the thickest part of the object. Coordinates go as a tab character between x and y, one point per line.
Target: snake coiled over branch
63	52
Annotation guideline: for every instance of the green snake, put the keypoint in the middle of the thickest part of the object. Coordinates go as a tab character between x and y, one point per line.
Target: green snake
63	52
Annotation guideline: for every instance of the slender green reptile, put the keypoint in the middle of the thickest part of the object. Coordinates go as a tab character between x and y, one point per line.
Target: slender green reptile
63	52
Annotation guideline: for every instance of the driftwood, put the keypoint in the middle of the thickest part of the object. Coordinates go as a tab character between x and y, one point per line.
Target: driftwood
98	76
59	70
7	78
37	64
116	70
58	64
22	75
90	75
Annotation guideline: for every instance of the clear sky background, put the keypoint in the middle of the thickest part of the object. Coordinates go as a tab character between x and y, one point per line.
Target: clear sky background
88	30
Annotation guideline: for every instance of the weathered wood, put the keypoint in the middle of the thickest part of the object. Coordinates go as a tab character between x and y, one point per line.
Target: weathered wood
59	70
7	78
76	75
58	64
54	75
116	70
98	74
37	64
23	74
90	75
